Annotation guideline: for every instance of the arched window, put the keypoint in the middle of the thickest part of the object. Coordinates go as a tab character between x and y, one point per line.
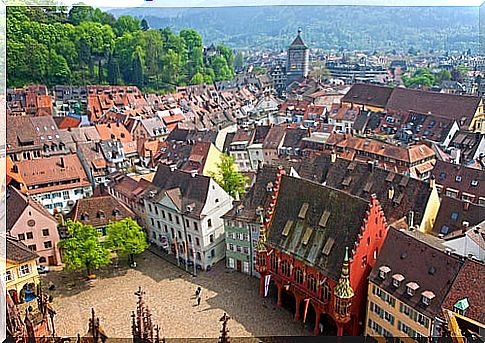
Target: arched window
298	275
311	283
274	262
285	268
325	292
42	260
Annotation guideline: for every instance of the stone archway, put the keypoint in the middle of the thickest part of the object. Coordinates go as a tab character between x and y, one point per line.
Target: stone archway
288	301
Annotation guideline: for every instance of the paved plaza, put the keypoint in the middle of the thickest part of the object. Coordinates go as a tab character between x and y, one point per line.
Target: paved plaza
169	295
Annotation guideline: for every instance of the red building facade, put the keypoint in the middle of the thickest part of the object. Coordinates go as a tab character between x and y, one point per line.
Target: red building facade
317	247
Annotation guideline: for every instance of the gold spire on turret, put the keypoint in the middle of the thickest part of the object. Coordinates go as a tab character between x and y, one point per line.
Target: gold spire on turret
343	290
261	245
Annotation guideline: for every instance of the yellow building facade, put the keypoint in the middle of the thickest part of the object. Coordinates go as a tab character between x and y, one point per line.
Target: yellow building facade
19	271
389	317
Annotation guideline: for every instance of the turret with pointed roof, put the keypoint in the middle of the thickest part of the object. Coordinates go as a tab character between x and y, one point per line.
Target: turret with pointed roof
298	60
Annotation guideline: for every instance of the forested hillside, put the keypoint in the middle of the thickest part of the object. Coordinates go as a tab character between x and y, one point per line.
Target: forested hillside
89	46
327	27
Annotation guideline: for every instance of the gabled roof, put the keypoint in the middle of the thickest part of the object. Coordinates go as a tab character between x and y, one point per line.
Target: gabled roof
422	265
453	212
371	95
16	205
460	178
18	252
297	228
193	188
100	211
298	42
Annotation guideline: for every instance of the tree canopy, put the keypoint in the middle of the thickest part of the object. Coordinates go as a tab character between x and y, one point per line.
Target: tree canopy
125	237
229	178
82	250
89	46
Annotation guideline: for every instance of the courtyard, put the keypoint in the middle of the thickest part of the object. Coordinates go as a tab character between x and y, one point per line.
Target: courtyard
170	296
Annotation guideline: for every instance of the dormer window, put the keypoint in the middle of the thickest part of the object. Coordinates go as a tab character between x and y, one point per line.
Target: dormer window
411	288
397	279
383	271
426	297
461	306
458	178
100	214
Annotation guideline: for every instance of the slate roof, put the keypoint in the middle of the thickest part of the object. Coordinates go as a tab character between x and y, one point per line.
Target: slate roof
460	178
100	211
346	214
465	286
182	135
409	194
293	137
371	95
298	41
260	133
431	268
193	189
18	252
453	212
446	105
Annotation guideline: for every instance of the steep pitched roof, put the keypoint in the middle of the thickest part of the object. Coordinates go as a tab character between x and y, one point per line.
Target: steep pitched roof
298	41
427	266
300	206
461	178
99	211
193	188
447	105
368	95
465	287
453	212
16	205
18	252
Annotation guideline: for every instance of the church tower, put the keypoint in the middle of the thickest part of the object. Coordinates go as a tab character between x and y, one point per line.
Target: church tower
298	60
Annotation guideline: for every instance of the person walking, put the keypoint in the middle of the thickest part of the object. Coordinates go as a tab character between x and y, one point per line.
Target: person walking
198	300
197	291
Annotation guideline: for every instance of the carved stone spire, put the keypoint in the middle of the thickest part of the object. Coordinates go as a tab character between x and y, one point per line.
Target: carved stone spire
343	289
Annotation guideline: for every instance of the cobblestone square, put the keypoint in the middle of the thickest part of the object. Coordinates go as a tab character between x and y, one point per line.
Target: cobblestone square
170	296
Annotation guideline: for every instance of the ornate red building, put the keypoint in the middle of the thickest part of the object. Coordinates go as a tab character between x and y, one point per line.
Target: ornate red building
317	248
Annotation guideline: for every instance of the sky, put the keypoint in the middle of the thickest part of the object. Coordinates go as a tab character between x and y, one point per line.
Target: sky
217	3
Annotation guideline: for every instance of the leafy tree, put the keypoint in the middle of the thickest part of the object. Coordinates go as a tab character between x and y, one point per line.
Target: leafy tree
126	238
239	61
137	65
421	77
82	250
228	177
197	79
126	23
442	75
113	71
59	71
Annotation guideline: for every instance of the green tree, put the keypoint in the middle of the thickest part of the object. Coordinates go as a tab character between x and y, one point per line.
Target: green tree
442	75
229	178
197	79
59	72
126	23
239	61
113	71
82	250
137	65
126	238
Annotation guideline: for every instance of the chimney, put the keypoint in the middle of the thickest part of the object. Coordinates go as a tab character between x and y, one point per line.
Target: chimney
173	167
193	173
61	162
465	226
466	205
411	219
390	192
432	182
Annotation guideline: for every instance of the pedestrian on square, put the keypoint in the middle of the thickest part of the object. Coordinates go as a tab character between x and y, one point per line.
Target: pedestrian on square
197	292
198	300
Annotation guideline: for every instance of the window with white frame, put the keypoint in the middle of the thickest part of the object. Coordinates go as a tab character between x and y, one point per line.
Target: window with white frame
231	263
246	267
9	276
24	270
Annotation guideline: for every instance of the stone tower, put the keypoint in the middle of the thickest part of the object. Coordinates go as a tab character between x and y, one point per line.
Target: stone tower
298	60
